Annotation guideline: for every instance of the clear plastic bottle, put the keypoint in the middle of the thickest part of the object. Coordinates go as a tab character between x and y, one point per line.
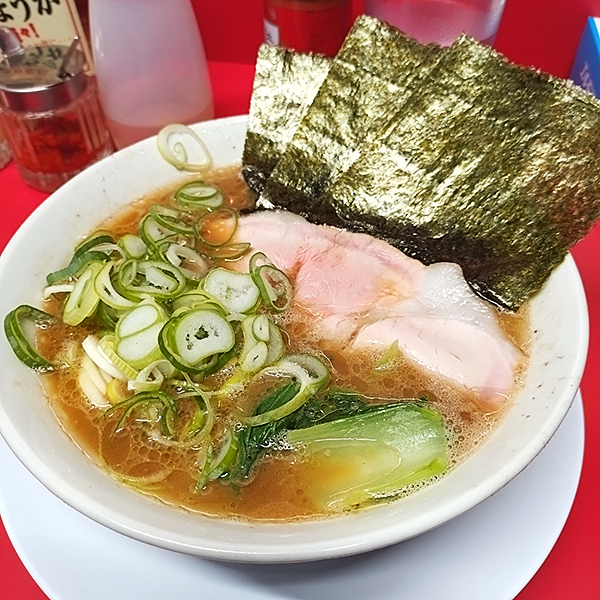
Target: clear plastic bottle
150	64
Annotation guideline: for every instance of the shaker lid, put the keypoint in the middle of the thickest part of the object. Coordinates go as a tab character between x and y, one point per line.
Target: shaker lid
41	78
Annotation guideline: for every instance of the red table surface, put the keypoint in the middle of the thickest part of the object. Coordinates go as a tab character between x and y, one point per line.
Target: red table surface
540	33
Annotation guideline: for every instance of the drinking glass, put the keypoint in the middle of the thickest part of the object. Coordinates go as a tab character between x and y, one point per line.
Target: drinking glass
440	21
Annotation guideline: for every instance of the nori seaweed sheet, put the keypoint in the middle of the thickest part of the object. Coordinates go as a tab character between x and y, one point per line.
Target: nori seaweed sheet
285	84
475	160
496	168
359	99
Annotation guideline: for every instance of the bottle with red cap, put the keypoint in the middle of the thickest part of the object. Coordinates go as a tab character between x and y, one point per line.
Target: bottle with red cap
318	26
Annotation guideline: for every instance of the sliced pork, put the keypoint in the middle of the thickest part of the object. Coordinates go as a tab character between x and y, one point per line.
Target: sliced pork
365	293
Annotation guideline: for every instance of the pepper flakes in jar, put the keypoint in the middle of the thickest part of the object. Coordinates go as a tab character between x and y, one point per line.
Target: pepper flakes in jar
51	114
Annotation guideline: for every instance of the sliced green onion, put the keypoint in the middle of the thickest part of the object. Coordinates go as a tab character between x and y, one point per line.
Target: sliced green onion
133	246
213	468
92	382
101	378
191	340
57	288
83	300
136	334
276	345
255	358
108	249
191	434
198	299
93	241
165	277
183	148
108	316
91	347
117	391
275	288
197	194
152	376
107	292
161	280
23	349
203	421
189	261
95	247
219	361
392	352
274	285
144	399
309	371
260	328
108	345
77	263
152	233
141	317
141	482
171	219
258	259
236	291
141	349
263	343
150	278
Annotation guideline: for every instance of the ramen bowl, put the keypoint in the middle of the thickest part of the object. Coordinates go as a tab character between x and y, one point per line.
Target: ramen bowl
45	242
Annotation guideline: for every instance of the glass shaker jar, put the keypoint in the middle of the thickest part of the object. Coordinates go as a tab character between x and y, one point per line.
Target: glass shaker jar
51	114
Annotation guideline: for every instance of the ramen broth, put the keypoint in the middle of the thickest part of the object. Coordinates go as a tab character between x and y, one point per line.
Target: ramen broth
278	488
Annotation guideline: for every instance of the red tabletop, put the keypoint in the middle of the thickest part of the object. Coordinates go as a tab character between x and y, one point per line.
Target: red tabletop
540	33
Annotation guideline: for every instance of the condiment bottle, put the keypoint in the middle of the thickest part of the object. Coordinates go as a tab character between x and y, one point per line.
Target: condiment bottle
318	26
150	64
50	113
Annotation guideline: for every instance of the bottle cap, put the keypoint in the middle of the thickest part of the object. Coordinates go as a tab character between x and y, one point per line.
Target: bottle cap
41	78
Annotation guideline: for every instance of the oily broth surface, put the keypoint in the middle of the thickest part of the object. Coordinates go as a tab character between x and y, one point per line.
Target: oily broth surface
277	490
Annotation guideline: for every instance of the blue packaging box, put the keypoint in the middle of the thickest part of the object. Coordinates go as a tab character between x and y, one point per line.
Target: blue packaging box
586	67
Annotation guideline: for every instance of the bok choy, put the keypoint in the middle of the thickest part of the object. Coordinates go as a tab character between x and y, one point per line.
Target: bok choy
368	452
369	457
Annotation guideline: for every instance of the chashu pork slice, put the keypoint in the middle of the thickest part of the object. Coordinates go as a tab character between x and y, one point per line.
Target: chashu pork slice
365	294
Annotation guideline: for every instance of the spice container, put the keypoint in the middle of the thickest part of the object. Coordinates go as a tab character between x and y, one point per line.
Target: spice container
318	26
50	112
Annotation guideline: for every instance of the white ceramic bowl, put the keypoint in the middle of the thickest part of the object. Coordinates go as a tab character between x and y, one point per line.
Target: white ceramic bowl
45	242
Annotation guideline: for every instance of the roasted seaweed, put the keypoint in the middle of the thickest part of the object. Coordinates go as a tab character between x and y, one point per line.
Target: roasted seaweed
360	98
449	154
508	186
285	84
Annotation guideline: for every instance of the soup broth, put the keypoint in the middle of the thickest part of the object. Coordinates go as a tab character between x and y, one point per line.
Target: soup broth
278	489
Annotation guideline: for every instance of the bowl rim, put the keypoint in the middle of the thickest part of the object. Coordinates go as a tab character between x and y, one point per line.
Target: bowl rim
373	535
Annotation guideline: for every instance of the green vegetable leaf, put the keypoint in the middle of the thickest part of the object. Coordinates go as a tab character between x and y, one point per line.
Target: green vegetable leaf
254	441
370	456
